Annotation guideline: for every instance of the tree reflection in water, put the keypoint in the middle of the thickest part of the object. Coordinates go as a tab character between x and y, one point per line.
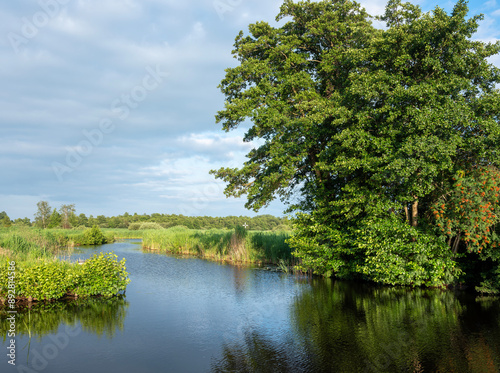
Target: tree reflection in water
99	316
352	327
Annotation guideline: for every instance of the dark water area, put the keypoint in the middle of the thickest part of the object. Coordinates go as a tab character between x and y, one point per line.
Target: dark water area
192	315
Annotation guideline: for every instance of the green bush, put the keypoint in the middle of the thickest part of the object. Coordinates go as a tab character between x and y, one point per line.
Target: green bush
144	226
94	236
150	225
102	275
42	281
134	226
398	254
384	250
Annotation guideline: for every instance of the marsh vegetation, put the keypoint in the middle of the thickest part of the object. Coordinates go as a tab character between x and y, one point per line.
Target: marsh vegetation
30	261
234	245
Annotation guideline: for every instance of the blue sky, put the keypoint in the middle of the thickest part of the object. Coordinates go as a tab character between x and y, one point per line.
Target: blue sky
110	104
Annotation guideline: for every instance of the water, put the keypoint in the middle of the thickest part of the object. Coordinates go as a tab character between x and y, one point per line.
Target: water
192	315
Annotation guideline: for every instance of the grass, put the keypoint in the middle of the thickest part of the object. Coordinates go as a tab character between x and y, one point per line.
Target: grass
123	233
237	245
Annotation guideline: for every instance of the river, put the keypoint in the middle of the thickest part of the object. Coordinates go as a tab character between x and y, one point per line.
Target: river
192	315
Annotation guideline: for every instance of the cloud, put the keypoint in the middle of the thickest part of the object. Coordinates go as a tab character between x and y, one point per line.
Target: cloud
65	78
215	146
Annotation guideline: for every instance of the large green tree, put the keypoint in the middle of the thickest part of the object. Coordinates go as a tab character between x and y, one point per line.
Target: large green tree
363	130
42	215
54	220
68	217
5	220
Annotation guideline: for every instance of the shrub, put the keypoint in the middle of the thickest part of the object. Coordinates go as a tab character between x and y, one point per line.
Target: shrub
150	225
43	281
102	275
144	226
134	226
94	236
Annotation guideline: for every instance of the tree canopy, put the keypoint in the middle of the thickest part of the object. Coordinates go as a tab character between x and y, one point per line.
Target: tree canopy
365	133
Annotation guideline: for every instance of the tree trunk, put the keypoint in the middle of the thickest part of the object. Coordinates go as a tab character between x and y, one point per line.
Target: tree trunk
407	213
414	213
456	243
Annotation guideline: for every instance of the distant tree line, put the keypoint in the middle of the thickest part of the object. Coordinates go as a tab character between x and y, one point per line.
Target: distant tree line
66	217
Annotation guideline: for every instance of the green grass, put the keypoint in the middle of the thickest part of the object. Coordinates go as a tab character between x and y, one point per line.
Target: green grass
123	233
237	245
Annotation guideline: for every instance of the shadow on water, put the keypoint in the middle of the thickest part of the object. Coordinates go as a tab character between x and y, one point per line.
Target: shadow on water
348	327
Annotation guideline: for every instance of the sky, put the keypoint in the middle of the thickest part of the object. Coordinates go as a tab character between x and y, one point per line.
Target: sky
110	104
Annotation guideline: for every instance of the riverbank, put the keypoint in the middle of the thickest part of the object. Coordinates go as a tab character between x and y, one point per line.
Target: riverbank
30	270
236	245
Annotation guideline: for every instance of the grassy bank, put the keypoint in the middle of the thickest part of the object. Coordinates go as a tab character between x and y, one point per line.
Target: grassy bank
30	270
26	239
236	245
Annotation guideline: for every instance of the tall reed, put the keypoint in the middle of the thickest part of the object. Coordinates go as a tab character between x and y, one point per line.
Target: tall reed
238	245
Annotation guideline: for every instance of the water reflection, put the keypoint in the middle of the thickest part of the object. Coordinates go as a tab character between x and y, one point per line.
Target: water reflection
99	316
192	315
240	278
348	327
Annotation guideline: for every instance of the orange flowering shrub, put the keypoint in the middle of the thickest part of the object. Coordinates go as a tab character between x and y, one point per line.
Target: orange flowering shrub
471	210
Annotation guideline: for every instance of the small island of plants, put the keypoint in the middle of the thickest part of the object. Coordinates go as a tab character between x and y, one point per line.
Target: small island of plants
31	271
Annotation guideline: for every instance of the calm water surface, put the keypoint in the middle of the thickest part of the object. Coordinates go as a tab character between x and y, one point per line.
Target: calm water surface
192	315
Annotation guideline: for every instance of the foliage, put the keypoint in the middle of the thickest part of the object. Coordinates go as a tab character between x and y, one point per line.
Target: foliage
397	253
134	226
94	236
469	211
102	274
364	130
42	281
491	281
68	218
37	243
39	275
54	220
51	279
42	215
5	220
145	225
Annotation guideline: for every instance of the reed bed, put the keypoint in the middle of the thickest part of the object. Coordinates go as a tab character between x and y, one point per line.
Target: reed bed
123	233
236	245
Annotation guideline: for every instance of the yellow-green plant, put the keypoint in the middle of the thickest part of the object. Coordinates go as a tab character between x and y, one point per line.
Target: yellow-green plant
102	275
46	279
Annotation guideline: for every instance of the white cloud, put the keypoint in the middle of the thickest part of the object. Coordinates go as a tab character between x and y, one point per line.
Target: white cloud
490	4
110	9
214	144
65	79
